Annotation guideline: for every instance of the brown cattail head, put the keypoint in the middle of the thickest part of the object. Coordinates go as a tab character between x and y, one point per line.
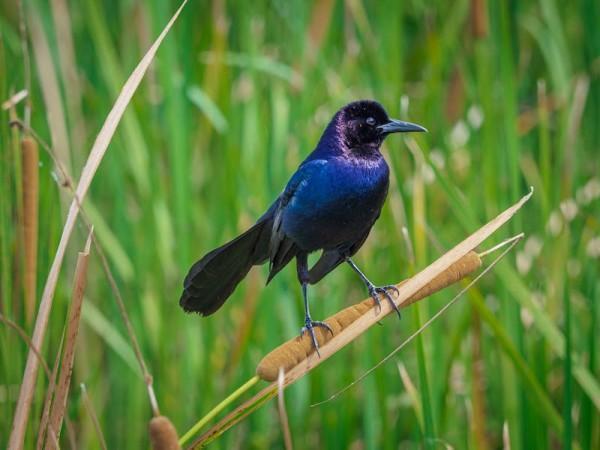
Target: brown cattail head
291	353
455	96
479	24
163	435
30	157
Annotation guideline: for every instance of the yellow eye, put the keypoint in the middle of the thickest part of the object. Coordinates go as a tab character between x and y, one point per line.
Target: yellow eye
370	121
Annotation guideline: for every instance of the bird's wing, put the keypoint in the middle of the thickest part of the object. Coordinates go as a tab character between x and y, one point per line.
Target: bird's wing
282	248
330	259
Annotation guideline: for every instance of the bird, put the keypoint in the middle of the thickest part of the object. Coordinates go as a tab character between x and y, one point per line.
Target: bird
329	204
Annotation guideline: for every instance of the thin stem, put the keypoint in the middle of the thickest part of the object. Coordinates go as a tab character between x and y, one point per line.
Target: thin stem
502	244
217	409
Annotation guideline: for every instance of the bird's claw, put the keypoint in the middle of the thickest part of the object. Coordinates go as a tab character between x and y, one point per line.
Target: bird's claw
374	291
309	326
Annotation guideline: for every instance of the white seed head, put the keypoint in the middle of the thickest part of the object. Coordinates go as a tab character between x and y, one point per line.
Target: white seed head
573	268
475	116
427	173
533	246
593	247
523	263
555	223
437	159
569	209
526	318
459	135
460	160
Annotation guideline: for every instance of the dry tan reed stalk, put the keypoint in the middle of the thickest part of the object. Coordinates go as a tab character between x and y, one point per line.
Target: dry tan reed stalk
478	410
30	156
357	327
69	72
294	351
97	152
55	113
317	29
26	59
62	389
283	418
163	435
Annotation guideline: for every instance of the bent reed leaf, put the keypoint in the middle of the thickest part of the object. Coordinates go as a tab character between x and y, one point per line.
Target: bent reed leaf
59	404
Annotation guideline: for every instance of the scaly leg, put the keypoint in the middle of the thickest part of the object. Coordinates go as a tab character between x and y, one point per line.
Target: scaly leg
309	324
374	291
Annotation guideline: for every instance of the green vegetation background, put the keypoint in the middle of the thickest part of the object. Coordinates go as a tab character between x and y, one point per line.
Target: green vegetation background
237	96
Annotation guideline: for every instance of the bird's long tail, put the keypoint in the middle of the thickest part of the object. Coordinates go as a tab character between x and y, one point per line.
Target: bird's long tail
211	280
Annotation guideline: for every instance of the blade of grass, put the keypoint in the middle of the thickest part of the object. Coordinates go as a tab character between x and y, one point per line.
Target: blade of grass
420	247
50	88
567	406
68	67
217	409
542	401
23	335
89	407
520	292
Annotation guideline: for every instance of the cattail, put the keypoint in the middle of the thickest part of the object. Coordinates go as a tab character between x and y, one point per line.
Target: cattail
30	157
294	351
479	23
455	96
163	435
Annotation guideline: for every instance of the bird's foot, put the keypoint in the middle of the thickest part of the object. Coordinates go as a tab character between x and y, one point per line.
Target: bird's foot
309	326
375	291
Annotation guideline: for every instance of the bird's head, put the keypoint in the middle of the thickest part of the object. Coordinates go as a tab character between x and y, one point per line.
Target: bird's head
365	124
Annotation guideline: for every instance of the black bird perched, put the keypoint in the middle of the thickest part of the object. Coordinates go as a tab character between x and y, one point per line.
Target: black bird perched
329	204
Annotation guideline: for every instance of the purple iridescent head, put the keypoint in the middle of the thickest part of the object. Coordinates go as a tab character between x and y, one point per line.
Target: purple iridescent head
365	123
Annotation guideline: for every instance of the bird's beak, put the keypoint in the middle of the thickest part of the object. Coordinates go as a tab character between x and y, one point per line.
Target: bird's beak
397	126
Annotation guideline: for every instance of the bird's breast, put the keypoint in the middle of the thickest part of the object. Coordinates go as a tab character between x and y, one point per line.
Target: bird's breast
338	205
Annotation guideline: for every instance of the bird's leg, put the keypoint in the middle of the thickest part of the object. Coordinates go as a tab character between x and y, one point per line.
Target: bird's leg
374	291
309	324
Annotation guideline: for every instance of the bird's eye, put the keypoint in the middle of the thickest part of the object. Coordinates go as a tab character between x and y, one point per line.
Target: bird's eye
370	121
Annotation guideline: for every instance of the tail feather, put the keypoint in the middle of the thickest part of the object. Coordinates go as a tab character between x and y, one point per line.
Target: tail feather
213	278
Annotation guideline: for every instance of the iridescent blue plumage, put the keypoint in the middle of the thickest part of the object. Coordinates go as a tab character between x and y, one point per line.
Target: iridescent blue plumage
330	204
